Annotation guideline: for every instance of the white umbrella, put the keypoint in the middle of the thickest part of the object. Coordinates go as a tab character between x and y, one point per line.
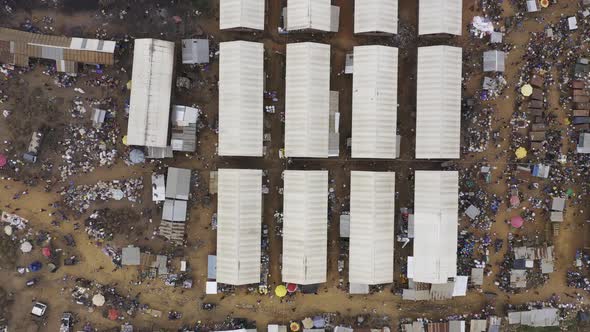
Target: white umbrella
307	323
8	230
117	194
26	246
98	300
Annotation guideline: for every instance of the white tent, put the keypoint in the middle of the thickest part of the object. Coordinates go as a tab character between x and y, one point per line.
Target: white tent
305	227
372	213
235	14
440	16
149	106
307	104
376	16
309	14
239	223
438	108
436	208
374	102
240	98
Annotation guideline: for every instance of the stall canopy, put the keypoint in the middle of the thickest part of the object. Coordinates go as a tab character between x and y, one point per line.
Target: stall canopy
307	105
239	222
374	102
494	61
305	227
440	16
309	14
436	205
240	98
372	212
438	109
149	106
376	16
236	14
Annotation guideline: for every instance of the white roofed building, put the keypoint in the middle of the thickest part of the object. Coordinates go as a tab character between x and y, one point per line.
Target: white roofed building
312	15
372	213
241	89
374	102
440	17
436	211
305	227
438	106
149	106
241	14
239	226
307	105
376	16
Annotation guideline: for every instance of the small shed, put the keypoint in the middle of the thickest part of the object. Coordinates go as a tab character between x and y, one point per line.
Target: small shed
158	188
541	171
130	256
345	225
477	276
494	61
211	267
532	6
195	51
583	143
496	37
174	210
556	216
557	204
98	117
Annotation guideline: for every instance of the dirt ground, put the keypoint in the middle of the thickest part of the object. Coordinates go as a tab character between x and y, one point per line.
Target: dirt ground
143	20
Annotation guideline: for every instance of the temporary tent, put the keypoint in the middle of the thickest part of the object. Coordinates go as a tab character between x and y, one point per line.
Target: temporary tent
307	103
239	226
376	16
436	204
494	61
374	102
240	98
236	14
440	16
372	213
305	227
438	109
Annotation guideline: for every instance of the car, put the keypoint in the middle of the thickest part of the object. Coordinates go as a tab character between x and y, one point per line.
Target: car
32	282
39	309
67	322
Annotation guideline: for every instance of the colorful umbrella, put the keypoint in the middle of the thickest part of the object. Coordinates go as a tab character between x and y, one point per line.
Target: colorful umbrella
544	3
517	221
113	314
291	288
124	139
35	266
294	326
526	90
514	201
136	156
46	252
2	160
520	153
281	291
569	192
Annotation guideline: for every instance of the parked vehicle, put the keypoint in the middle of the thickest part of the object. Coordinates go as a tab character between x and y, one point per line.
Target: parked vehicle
32	282
67	322
39	309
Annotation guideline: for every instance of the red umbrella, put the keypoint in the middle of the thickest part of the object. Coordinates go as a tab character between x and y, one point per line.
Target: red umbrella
517	221
291	288
113	314
46	252
514	201
2	160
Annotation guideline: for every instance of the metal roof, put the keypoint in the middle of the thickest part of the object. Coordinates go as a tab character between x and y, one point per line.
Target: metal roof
374	102
149	107
241	84
174	210
158	187
436	208
307	104
372	213
536	317
305	227
241	14
440	16
309	14
376	16
178	183
438	108
130	256
239	226
195	51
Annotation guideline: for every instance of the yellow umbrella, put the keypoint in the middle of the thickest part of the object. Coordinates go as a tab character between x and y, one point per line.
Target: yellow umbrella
294	326
520	153
281	291
125	139
526	90
544	3
566	121
128	85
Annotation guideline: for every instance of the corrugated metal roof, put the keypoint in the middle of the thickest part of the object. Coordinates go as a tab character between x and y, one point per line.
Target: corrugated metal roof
305	227
195	51
307	104
34	38
309	14
374	102
174	210
178	183
440	16
436	209
239	222
375	16
372	213
241	14
149	109
69	67
241	85
438	109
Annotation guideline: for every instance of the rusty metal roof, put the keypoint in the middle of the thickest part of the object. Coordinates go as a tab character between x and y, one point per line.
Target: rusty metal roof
34	38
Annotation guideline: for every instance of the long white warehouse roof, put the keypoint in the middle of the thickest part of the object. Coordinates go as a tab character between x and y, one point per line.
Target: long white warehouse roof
374	102
241	98
307	105
436	210
149	106
440	16
239	226
438	108
305	227
234	14
309	14
372	213
375	16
